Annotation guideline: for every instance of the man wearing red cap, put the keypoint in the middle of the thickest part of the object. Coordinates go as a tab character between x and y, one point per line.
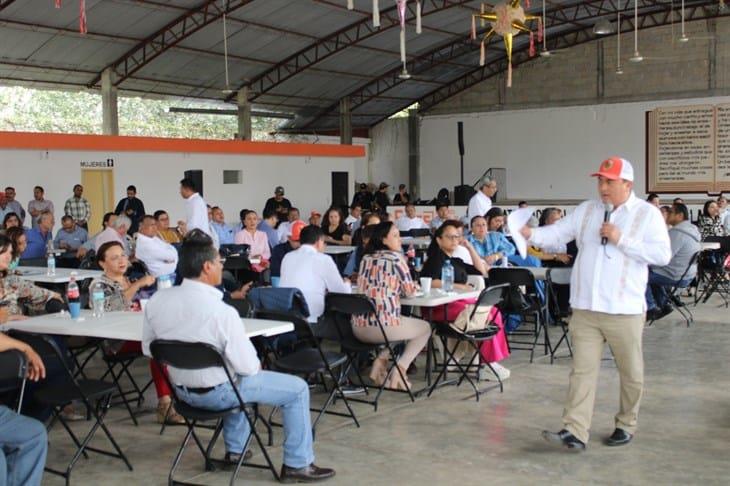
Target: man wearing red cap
618	237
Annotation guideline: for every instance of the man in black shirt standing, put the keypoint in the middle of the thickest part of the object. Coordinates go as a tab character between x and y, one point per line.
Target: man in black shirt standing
363	198
279	204
131	207
382	201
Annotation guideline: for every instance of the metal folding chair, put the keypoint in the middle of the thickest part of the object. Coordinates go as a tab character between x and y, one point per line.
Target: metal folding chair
13	368
559	276
675	291
489	297
199	356
310	359
335	325
532	310
96	396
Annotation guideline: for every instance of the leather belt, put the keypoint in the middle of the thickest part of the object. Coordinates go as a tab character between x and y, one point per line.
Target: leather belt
200	391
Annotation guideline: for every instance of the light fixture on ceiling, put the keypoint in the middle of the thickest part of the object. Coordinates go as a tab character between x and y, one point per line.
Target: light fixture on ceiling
619	70
637	57
603	27
404	74
544	51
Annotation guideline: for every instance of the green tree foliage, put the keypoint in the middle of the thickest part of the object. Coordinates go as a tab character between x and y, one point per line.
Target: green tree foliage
36	110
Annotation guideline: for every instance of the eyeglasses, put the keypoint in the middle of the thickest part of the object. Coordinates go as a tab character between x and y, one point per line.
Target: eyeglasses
451	237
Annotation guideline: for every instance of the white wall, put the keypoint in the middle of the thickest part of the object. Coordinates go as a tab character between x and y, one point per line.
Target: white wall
157	176
389	153
548	153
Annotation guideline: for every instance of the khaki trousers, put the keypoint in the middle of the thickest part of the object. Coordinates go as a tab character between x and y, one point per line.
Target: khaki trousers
589	330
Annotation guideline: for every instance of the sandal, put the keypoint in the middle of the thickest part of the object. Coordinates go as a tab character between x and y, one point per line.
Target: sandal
396	382
166	414
379	371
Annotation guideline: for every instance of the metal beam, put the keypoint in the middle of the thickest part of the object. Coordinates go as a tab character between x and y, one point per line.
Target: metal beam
5	4
446	52
657	17
169	36
337	42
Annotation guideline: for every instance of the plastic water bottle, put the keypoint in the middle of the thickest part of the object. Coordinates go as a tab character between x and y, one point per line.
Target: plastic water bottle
51	264
72	291
447	276
97	300
505	262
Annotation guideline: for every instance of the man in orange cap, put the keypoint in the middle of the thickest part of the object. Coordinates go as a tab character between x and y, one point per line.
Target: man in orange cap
279	251
618	237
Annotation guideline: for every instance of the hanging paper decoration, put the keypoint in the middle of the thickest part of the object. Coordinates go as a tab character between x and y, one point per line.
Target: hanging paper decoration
507	20
82	14
376	12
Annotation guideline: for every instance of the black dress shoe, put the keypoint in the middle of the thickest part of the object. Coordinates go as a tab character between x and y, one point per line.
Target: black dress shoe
665	311
653	314
233	457
564	439
618	438
309	474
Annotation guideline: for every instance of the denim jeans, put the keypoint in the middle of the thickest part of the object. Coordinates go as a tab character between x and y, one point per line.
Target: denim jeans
656	290
23	447
288	392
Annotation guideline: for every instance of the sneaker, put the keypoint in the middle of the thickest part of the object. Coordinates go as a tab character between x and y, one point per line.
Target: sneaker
485	374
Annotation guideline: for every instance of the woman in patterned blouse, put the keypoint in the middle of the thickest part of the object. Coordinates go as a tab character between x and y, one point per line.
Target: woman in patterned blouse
384	278
119	293
16	291
709	221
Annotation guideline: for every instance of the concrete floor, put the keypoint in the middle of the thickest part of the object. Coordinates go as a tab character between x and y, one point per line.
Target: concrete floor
451	439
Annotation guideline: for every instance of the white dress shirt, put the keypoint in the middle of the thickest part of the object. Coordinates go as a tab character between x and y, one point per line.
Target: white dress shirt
314	274
479	204
109	234
159	256
195	312
196	214
610	278
404	223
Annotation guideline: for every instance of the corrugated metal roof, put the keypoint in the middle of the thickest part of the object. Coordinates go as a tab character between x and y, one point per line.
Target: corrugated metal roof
300	56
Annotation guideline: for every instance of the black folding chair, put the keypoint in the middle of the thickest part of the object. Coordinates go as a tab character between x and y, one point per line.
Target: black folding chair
559	276
335	325
488	297
200	356
674	293
310	359
522	299
117	368
13	369
711	271
96	396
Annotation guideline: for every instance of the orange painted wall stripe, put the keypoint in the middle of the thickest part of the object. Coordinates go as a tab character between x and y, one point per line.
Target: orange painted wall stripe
62	141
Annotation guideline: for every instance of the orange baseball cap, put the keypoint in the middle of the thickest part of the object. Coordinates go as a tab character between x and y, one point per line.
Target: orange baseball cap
615	168
296	230
315	213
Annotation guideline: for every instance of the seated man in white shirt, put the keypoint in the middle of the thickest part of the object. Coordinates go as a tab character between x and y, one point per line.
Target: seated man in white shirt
354	217
115	231
312	272
195	312
442	214
409	220
159	256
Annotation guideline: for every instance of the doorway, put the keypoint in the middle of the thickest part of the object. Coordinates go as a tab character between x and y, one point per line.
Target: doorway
340	186
99	190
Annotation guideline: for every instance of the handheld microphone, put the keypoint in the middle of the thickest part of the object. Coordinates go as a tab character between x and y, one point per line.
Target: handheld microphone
607	210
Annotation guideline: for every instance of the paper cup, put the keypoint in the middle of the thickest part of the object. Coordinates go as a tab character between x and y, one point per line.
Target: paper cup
74	308
426	284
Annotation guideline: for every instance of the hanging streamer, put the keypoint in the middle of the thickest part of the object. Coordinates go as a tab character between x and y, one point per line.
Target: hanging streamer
527	3
82	17
58	3
482	54
350	4
473	27
418	17
540	31
509	75
376	13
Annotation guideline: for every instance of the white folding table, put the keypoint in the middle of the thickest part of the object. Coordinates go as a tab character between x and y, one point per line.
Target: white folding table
62	275
125	326
339	249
